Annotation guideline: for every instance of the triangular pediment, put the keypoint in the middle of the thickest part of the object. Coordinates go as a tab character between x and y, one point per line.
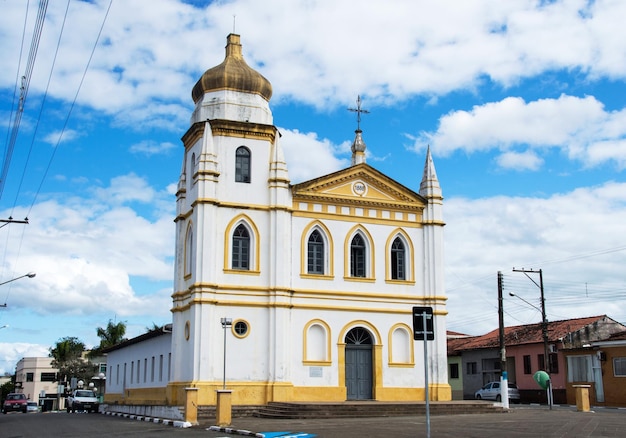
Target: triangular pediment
358	184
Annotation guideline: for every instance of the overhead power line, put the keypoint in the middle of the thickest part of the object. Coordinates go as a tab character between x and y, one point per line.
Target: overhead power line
25	83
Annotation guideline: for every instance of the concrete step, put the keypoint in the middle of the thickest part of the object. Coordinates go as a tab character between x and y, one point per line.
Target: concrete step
370	409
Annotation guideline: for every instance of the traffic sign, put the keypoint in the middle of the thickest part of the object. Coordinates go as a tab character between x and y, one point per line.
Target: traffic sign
423	327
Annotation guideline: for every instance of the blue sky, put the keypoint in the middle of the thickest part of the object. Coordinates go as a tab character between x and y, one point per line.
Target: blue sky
521	102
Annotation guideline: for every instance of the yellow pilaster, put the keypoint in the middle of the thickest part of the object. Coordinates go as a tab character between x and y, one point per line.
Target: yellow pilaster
191	405
223	410
582	398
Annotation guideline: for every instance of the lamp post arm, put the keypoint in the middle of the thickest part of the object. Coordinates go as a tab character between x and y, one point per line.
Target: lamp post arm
29	275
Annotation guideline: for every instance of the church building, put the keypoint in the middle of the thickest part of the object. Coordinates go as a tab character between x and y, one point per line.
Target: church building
293	292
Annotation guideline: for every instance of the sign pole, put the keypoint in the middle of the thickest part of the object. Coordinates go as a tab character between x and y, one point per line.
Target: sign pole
423	329
424	316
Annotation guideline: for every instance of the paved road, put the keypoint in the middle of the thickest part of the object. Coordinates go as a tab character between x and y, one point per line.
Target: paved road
518	422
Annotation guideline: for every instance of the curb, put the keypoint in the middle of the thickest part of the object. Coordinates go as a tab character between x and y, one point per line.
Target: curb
175	423
235	431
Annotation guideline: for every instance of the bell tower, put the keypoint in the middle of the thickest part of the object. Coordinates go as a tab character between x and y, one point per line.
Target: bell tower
232	201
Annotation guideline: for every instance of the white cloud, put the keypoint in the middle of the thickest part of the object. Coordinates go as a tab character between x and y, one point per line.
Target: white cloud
570	236
149	147
309	157
87	251
156	54
568	123
58	137
527	160
13	352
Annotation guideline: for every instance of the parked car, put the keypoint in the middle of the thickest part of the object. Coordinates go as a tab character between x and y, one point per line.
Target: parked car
15	402
82	400
32	406
491	391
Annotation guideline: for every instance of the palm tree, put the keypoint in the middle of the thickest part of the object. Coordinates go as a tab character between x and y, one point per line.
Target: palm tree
112	335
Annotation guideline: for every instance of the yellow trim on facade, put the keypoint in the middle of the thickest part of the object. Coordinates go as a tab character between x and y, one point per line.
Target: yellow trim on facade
378	220
329	250
305	343
237	335
409	332
261	393
330	307
370	251
139	396
410	278
255	243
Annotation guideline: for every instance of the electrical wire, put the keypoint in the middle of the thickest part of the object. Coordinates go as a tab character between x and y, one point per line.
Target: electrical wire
30	65
69	113
17	77
66	119
43	103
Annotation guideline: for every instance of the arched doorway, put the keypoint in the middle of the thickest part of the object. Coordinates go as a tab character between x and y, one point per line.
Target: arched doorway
359	364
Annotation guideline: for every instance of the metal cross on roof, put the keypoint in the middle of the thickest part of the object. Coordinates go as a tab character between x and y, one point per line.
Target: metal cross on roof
358	110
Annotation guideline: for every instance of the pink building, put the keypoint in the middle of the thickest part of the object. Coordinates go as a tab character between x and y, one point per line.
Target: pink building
480	355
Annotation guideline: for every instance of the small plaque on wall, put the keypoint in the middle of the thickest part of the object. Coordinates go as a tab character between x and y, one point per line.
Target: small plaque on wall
315	372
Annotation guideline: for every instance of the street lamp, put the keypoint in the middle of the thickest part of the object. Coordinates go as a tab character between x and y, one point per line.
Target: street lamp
29	275
226	323
544	331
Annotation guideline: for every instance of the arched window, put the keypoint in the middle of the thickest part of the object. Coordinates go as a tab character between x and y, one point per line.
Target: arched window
241	248
315	253
398	260
359	336
357	256
189	252
242	165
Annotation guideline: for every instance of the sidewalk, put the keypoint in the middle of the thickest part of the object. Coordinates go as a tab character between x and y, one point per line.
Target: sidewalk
523	421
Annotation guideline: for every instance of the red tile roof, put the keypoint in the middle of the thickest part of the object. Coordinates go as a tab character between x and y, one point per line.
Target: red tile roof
523	334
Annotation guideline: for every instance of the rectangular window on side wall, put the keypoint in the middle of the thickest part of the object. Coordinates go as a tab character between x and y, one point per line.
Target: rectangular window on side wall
619	367
554	363
454	370
48	377
527	366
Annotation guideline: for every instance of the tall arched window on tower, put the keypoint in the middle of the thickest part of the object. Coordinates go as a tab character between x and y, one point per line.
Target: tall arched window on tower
241	248
357	256
398	260
242	164
189	252
315	253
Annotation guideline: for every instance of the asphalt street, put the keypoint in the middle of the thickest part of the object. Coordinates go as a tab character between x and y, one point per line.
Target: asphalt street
533	421
520	421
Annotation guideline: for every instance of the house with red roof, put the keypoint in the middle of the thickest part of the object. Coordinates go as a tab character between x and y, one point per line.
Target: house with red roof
479	356
601	365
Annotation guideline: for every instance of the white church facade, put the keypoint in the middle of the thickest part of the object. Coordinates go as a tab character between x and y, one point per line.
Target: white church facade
317	279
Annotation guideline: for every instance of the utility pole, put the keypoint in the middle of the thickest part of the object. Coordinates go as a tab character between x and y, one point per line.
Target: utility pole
544	325
504	378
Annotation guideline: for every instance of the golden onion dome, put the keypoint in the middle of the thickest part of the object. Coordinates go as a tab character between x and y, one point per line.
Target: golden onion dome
232	74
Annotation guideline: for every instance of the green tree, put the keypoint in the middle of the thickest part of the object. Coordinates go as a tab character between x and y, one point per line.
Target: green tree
109	336
154	328
67	356
7	388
